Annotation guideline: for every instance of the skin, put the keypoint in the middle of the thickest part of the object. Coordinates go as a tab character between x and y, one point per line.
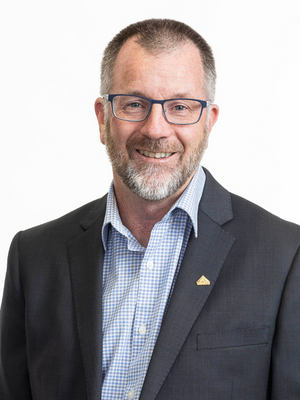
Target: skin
177	74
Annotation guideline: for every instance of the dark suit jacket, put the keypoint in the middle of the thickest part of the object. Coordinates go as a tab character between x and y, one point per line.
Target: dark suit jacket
237	338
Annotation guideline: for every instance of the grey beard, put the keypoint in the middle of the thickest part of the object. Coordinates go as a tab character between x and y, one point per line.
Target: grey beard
145	180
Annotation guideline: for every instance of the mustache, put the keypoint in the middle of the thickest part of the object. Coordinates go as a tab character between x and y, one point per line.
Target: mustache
161	145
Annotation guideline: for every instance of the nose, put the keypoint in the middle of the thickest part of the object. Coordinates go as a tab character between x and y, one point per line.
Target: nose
155	125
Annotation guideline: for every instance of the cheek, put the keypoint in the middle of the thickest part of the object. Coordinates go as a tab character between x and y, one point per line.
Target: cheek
191	138
124	131
118	133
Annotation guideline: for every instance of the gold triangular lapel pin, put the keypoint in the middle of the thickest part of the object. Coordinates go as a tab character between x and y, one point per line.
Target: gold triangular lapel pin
203	281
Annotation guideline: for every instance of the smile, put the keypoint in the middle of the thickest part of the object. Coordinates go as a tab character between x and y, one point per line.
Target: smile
154	155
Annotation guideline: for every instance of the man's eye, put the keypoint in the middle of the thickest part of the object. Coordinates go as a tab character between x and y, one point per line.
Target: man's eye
134	105
180	107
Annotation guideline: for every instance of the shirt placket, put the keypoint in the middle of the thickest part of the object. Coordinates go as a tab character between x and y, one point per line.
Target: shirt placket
145	320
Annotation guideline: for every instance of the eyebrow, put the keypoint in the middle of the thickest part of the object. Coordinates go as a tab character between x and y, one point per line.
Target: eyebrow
181	95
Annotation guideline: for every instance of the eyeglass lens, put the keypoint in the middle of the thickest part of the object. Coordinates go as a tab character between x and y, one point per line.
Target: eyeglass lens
178	111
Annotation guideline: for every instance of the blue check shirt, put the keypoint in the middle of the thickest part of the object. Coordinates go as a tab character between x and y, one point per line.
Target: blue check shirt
137	286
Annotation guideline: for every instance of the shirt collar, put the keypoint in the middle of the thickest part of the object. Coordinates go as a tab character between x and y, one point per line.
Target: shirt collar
188	202
190	198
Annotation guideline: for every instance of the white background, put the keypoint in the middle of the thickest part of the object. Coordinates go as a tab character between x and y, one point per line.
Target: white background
51	158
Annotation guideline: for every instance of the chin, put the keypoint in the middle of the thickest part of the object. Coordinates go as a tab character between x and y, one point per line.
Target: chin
153	184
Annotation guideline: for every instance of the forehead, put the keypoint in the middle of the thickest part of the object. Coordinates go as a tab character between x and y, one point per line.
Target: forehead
177	72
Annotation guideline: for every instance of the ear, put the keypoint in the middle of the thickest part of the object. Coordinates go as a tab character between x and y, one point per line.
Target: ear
99	110
213	116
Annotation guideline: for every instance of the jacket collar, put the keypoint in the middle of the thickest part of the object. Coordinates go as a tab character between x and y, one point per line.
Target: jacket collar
86	258
216	201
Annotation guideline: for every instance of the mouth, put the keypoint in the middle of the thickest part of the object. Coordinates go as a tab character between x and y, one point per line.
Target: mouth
154	155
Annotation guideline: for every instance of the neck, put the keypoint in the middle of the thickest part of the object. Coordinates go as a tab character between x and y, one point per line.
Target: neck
140	215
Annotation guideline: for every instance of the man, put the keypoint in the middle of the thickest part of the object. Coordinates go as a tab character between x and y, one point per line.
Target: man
170	287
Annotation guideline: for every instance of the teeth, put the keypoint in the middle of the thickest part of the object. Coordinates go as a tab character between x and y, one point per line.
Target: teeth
154	155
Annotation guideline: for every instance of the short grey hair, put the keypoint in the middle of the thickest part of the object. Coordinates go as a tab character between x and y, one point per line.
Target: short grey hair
159	36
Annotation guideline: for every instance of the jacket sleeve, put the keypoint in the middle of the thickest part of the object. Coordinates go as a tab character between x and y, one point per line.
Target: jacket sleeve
14	376
285	380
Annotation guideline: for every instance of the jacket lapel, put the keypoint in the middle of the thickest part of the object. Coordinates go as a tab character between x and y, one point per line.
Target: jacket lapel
86	259
205	255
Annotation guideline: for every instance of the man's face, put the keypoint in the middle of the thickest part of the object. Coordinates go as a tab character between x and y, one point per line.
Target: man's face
153	158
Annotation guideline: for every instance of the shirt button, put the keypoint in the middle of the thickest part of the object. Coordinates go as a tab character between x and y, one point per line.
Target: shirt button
150	264
130	394
142	330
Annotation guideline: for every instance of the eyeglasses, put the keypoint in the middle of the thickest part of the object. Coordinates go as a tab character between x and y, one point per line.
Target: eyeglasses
137	108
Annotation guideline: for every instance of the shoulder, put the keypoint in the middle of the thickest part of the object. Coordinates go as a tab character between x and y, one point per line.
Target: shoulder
247	220
253	216
263	235
66	227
